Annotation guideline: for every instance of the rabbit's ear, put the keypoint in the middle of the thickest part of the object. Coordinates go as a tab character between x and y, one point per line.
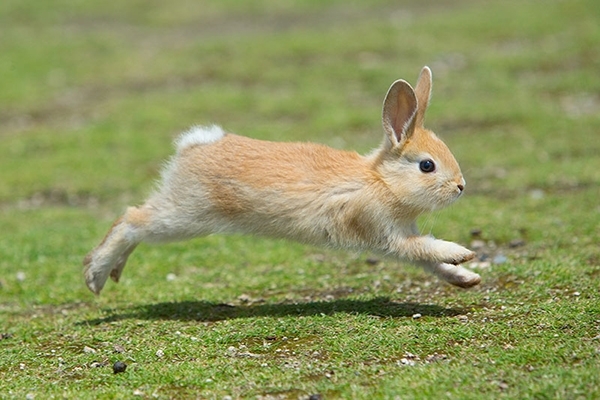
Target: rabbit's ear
399	110
423	92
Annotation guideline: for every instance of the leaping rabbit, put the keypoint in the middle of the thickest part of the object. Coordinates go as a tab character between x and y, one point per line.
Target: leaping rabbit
219	182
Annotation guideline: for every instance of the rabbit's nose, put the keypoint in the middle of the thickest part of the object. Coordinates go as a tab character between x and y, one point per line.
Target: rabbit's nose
461	187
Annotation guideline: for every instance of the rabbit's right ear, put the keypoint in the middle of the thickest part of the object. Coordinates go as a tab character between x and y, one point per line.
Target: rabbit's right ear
399	111
423	93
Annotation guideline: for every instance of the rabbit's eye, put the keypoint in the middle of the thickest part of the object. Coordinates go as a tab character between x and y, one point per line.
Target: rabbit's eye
427	166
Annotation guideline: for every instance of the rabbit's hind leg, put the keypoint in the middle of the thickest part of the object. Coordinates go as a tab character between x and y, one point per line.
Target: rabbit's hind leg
110	256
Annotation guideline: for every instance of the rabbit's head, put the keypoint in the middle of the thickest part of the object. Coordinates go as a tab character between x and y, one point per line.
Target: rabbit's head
416	166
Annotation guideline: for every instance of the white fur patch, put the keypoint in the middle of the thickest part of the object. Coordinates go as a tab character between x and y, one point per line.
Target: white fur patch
199	135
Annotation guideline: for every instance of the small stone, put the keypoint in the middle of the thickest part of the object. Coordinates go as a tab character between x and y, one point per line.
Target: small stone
480	265
21	276
435	357
244	298
372	261
171	277
477	244
97	364
475	233
537	194
500	259
316	396
247	354
416	316
160	353
406	361
119	367
118	348
516	243
89	350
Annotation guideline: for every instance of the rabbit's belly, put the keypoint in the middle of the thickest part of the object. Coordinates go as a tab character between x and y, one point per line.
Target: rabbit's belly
280	217
323	219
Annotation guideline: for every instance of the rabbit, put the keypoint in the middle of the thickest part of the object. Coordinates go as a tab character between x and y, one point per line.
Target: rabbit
220	182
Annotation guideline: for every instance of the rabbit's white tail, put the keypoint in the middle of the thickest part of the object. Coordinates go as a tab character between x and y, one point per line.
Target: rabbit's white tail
199	135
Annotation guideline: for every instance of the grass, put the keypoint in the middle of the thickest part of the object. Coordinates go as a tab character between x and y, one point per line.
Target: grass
93	94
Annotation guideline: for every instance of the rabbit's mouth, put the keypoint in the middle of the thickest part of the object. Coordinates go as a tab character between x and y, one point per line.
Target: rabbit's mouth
447	199
455	190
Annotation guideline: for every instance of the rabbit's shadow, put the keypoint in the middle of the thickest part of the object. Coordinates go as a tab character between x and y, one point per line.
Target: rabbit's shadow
204	311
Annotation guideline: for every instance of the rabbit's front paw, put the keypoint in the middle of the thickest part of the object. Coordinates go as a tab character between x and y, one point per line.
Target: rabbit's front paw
456	254
458	276
467	256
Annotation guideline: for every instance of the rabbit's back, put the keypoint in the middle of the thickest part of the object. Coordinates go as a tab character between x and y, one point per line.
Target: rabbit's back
265	164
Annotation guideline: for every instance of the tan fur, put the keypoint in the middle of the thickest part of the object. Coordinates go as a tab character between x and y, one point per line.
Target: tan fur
224	183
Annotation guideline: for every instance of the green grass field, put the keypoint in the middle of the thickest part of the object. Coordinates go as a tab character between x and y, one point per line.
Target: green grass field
92	95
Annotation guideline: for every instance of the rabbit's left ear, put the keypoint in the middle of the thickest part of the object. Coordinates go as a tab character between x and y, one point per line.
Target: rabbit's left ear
423	93
399	110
